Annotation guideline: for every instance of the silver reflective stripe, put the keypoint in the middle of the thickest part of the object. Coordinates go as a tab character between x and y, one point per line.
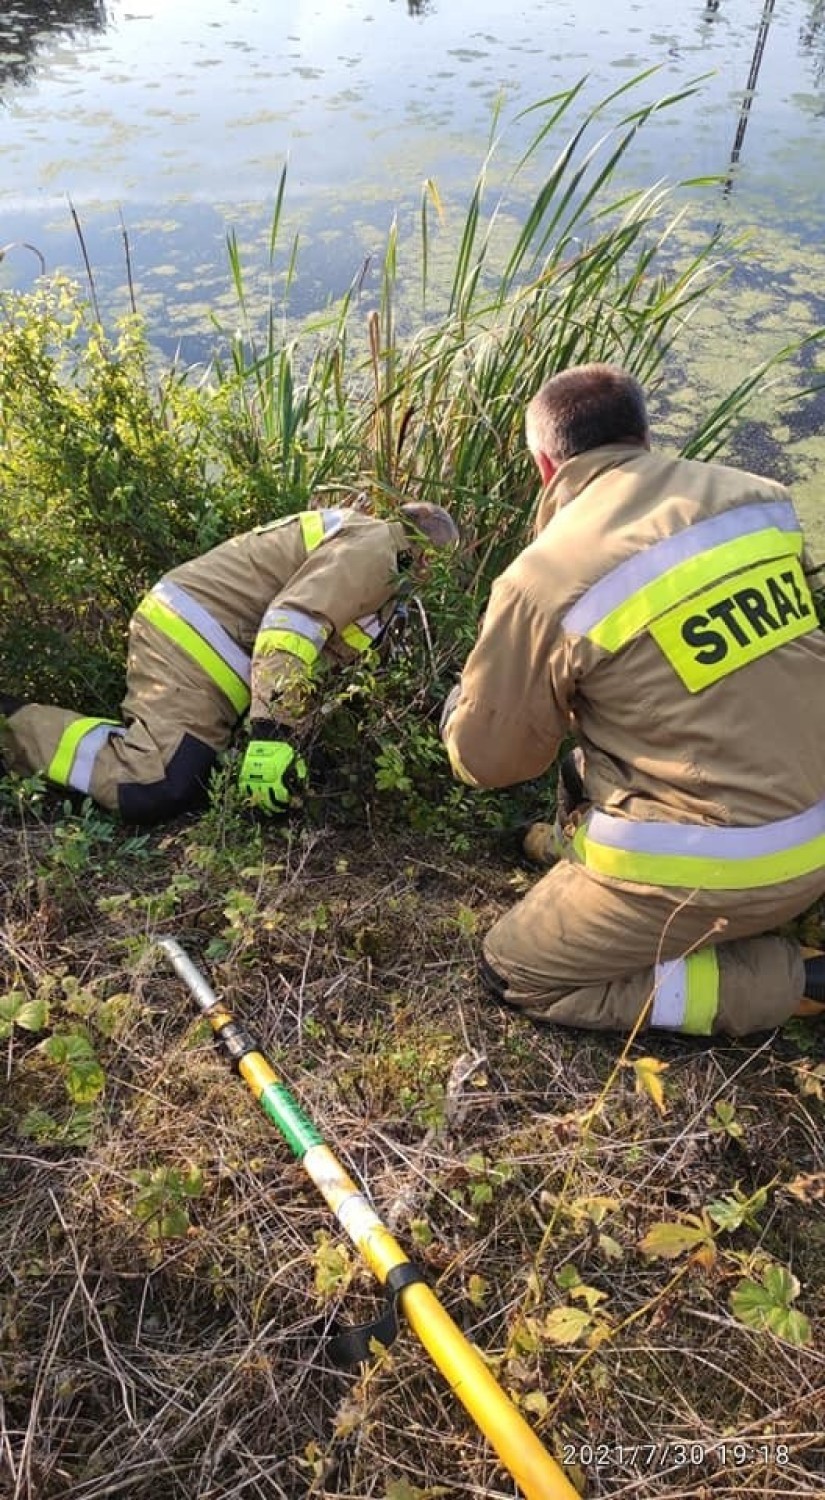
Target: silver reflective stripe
644	567
332	521
372	625
670	996
88	749
638	837
177	599
297	620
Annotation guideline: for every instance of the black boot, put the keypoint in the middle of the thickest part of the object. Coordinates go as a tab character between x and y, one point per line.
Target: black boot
812	1003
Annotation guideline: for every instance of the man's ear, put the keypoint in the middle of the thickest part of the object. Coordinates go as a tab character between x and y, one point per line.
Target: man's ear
545	465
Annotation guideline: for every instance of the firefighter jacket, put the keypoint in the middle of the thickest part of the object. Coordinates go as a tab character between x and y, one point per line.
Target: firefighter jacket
663	614
247	626
259	614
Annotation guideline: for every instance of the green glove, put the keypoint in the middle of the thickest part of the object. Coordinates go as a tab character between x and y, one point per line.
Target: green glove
271	772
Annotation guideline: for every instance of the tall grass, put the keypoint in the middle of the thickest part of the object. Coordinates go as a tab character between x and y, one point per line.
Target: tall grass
581	267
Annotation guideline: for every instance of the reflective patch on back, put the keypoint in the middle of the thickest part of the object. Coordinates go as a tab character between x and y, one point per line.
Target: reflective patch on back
736	622
274	525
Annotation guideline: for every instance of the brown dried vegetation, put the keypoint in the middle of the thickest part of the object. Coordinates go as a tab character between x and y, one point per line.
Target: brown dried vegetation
175	1346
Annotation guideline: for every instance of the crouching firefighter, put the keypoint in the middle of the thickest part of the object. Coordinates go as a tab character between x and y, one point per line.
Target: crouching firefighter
244	628
663	616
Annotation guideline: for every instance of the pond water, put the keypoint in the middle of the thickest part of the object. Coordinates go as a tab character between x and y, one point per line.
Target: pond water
174	121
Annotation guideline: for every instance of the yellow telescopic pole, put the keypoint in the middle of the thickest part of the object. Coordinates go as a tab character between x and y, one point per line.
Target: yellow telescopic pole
538	1475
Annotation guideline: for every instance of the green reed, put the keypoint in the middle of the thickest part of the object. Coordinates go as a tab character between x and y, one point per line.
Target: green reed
423	393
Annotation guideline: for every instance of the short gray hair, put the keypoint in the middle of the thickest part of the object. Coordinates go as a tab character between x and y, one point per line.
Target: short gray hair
586	407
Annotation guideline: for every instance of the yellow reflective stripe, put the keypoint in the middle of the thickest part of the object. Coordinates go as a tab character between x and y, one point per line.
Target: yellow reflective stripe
697	872
207	658
685	578
269	641
701	992
312	528
60	766
355	637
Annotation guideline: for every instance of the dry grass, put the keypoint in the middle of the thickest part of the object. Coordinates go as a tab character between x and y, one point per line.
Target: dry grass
155	1367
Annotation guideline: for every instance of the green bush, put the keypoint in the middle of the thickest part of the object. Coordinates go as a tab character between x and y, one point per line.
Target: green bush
102	485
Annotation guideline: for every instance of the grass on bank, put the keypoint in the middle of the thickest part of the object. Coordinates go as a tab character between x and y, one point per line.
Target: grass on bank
634	1234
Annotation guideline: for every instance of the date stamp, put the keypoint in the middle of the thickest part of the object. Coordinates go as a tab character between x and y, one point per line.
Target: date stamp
665	1456
641	1457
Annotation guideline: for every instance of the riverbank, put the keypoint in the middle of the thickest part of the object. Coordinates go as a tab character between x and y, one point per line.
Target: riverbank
611	1225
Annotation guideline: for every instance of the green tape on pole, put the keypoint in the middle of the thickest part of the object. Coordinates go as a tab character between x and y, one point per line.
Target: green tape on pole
297	1128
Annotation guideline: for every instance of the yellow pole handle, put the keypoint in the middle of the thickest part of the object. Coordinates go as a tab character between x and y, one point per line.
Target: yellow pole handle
523	1455
537	1474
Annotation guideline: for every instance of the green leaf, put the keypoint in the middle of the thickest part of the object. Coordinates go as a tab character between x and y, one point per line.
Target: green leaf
750	1303
726	1212
172	1224
481	1193
17	1010
567	1277
85	1080
78	1129
736	1209
769	1305
564	1325
790	1324
670	1240
66	1047
477	1288
780	1284
33	1016
10	1004
38	1125
192	1183
54	1048
724	1120
333	1265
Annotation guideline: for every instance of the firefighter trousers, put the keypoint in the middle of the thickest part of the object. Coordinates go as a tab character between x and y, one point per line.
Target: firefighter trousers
580	950
146	770
154	764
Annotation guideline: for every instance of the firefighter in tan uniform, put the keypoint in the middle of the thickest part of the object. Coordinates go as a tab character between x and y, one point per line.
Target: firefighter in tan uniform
244	627
663	616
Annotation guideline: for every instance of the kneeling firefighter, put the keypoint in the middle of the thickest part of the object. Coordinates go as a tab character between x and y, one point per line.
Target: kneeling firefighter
242	628
663	616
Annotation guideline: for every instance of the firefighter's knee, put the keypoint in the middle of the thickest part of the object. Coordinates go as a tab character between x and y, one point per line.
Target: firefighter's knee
185	786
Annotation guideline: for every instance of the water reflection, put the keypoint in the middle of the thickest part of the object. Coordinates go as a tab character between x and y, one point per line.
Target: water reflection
24	28
812	38
750	89
418	7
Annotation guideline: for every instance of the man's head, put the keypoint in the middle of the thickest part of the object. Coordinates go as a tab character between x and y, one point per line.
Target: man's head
428	526
583	408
